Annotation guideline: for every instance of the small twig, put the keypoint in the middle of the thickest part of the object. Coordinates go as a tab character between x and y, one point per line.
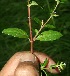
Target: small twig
50	11
30	27
42	26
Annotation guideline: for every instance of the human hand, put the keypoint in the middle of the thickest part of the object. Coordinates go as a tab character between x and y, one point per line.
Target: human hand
30	61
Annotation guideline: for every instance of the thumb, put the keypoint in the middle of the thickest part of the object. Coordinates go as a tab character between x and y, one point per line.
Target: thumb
26	68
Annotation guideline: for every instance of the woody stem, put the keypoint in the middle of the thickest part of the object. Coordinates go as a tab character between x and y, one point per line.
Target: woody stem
30	27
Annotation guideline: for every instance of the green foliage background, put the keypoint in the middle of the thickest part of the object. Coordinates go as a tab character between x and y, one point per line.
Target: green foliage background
13	13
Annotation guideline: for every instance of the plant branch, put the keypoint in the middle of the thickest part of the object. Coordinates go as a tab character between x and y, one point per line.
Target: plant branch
50	11
30	27
42	26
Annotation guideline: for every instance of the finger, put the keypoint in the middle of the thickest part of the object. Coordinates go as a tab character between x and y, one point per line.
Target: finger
10	66
42	57
26	68
13	62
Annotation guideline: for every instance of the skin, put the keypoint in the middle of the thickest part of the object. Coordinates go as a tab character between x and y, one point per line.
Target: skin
27	63
26	69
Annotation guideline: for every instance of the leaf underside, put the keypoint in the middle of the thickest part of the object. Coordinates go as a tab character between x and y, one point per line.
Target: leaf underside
49	35
15	32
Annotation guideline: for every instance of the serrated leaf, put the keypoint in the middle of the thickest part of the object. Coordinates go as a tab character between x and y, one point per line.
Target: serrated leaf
15	32
49	35
50	26
60	66
32	3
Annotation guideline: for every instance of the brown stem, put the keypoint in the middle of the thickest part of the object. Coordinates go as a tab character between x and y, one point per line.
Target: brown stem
30	27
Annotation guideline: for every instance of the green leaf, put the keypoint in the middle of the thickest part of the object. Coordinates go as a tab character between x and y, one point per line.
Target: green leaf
60	66
36	31
54	14
15	32
49	35
32	3
40	23
37	20
50	26
57	1
45	63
